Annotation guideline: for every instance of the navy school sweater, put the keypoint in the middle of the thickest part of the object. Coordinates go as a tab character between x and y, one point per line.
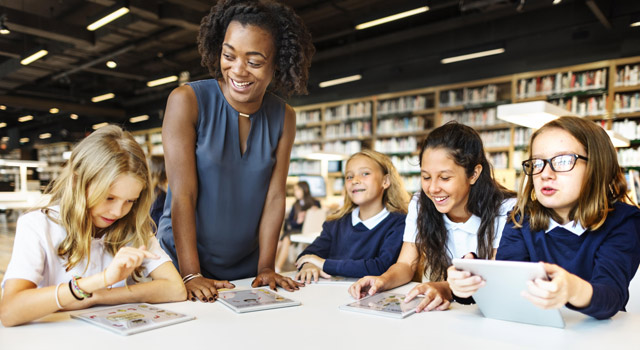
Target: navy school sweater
356	251
608	257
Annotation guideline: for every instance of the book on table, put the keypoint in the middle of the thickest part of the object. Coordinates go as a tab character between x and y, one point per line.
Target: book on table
255	299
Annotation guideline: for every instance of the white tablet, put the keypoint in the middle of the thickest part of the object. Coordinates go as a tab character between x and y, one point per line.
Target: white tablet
500	298
257	299
384	304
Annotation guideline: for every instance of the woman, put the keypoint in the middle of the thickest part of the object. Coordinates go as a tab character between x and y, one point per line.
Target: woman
227	144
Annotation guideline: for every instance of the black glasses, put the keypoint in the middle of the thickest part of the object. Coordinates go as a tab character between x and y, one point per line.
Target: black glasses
560	163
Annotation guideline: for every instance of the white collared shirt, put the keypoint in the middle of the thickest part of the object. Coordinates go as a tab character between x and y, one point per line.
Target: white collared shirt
572	226
462	237
371	222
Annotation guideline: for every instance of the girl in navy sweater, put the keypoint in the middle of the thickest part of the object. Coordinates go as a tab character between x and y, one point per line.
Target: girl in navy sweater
365	236
571	216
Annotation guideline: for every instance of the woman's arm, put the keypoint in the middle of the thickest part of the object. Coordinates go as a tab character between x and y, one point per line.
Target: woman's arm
273	211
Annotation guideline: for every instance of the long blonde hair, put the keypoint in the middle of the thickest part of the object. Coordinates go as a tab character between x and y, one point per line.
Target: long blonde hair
603	183
85	181
395	197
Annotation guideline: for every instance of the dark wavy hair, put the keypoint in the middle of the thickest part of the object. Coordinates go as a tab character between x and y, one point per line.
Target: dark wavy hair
485	198
307	198
292	40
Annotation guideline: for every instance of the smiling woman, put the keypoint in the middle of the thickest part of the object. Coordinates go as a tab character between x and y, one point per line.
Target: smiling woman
227	143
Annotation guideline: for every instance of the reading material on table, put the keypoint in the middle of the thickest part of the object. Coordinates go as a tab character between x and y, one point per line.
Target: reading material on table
254	300
131	318
384	304
334	280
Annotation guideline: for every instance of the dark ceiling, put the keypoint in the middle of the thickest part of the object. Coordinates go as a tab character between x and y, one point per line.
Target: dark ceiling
157	39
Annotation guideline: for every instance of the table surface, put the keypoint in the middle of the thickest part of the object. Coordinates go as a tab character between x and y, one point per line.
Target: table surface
319	324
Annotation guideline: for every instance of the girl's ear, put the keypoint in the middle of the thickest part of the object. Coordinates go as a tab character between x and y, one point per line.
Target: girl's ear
476	174
386	181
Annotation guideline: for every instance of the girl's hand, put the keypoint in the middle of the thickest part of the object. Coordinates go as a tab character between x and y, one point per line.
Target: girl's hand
437	296
205	289
312	259
310	271
563	288
268	277
462	283
367	285
127	259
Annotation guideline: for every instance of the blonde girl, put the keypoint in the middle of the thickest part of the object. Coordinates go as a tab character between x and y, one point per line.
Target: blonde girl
364	237
571	215
94	233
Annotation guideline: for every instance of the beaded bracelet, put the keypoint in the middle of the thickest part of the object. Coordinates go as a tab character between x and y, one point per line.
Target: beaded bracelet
190	276
72	292
57	298
76	288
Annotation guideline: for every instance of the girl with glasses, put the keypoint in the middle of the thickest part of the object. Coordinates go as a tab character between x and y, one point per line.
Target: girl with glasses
571	216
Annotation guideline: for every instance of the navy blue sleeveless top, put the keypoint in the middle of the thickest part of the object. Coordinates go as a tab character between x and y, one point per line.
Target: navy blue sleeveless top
232	187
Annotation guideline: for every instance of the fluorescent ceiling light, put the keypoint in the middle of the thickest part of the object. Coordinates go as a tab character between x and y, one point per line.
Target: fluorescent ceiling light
471	56
99	125
161	81
326	156
108	18
36	56
391	18
25	118
54	110
555	2
103	97
3	108
139	118
3	125
111	64
46	135
5	138
333	82
73	116
4	30
24	140
617	139
531	114
635	24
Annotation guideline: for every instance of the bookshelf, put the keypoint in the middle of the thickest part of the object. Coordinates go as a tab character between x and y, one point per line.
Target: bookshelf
53	154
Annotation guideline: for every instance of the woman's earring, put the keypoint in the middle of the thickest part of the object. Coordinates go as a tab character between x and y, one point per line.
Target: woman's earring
533	196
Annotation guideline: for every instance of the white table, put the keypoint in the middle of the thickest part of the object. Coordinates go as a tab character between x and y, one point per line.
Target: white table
319	324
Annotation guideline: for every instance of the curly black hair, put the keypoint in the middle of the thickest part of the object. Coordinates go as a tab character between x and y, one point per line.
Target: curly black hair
294	47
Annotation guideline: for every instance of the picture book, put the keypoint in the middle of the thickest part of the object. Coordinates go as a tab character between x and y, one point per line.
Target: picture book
131	318
384	304
254	300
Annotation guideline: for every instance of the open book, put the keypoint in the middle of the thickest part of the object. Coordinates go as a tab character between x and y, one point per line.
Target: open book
254	300
131	318
384	304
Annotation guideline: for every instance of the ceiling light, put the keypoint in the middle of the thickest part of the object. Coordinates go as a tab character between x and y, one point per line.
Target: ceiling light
5	138
161	81
395	17
635	24
73	116
24	140
471	56
139	118
531	114
555	2
46	135
343	80
4	30
103	97
34	57
113	13
3	108
25	118
54	110
99	125
3	125
111	64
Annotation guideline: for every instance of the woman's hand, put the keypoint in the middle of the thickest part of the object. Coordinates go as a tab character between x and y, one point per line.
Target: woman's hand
462	283
205	289
126	260
437	296
310	271
268	277
563	288
367	285
311	259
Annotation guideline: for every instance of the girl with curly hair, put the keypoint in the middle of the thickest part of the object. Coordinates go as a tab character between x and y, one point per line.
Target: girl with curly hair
227	144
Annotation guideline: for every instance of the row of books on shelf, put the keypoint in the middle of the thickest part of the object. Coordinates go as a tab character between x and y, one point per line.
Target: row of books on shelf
633	184
497	138
300	151
562	83
499	160
627	128
592	106
412	183
629	157
399	125
304	167
309	135
360	128
401	105
629	75
305	117
626	102
475	95
343	147
396	145
406	164
476	118
521	137
348	111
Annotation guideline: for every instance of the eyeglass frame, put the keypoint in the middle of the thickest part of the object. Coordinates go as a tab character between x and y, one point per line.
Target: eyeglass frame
548	161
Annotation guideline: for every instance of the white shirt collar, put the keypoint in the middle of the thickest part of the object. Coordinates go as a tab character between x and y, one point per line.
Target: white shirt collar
470	226
571	226
371	222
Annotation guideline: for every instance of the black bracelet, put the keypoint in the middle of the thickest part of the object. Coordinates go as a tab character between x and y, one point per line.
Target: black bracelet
463	301
72	293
